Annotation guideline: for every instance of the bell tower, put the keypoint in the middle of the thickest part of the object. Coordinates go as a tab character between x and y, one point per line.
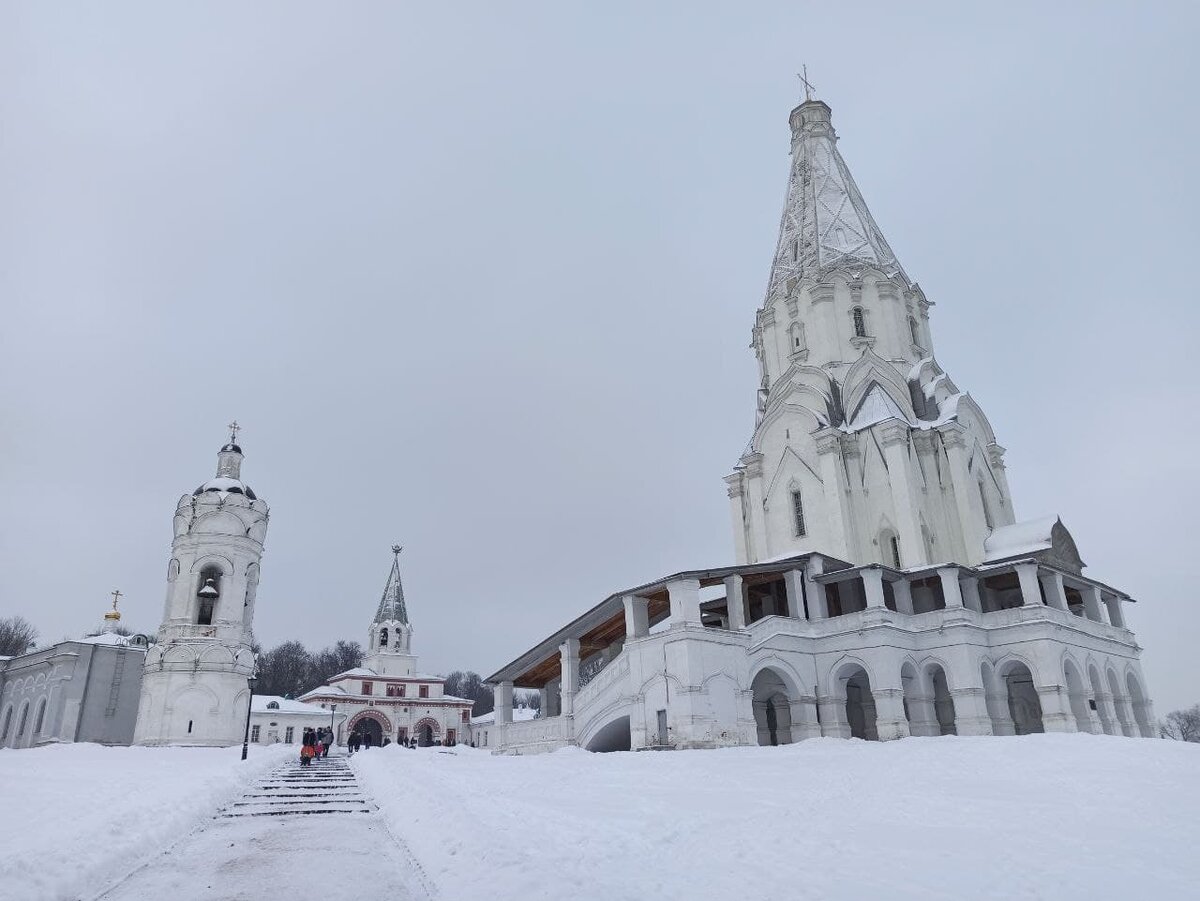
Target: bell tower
389	639
194	689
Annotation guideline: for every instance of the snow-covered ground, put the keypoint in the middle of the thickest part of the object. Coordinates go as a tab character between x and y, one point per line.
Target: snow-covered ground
75	817
1043	816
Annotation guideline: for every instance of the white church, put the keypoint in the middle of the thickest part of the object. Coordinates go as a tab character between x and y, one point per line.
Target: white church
883	586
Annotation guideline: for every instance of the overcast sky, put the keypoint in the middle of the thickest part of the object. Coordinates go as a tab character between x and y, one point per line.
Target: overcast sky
479	279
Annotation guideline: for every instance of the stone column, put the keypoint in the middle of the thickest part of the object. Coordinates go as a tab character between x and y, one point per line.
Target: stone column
1115	615
967	502
906	507
504	695
793	580
735	600
1057	715
833	716
737	516
970	594
922	714
754	507
950	587
544	697
970	708
1027	575
685	601
890	721
804	719
903	594
818	605
872	579
833	478
637	616
1093	601
569	655
1056	595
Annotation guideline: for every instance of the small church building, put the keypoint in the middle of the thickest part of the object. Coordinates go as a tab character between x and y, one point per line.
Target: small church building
387	699
882	584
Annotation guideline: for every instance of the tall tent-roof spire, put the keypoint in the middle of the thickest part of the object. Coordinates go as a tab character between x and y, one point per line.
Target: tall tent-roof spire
826	225
391	606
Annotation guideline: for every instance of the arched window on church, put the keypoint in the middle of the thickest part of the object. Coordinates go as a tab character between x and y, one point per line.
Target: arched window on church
860	323
797	335
795	249
274	705
383	637
798	513
7	723
40	718
912	328
889	548
987	511
207	595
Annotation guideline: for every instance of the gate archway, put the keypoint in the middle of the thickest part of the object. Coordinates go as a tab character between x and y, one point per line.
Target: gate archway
426	731
370	724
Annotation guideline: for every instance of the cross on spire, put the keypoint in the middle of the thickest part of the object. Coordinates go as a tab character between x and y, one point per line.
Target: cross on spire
234	428
809	87
117	594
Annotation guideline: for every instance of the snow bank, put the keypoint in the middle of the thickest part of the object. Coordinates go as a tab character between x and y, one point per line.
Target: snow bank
1042	816
77	816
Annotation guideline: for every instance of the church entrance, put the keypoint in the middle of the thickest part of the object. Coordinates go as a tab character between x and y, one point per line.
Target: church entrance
426	733
368	727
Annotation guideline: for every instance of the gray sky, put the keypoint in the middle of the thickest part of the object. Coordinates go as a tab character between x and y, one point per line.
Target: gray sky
480	280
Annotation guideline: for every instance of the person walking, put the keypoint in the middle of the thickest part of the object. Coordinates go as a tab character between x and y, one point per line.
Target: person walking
327	742
367	740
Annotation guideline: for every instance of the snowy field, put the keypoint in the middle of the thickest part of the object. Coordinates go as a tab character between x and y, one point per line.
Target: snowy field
1043	816
75	817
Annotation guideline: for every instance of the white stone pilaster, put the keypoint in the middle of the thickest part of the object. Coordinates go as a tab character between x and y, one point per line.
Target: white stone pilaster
1056	594
833	478
735	600
569	656
793	580
504	702
968	505
637	615
872	579
1027	575
950	586
685	601
894	435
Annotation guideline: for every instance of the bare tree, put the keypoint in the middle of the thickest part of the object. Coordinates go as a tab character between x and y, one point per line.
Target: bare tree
1182	725
284	670
17	635
326	663
469	685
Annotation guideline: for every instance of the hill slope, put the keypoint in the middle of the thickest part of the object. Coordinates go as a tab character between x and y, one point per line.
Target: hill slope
1043	816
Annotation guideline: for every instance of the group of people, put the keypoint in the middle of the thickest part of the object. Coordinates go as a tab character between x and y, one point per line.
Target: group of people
359	740
315	744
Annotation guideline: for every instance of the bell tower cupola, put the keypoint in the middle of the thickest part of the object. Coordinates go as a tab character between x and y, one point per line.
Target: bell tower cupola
389	638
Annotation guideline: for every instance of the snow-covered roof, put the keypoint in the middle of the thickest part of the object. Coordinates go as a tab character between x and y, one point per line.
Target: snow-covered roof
1027	537
876	407
520	714
286	705
112	638
353	673
323	690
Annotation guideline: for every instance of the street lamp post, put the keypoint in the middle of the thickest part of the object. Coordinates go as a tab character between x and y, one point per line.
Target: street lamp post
332	711
250	680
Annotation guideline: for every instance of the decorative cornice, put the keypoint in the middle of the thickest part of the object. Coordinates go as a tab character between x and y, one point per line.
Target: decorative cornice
754	465
996	455
953	434
733	483
821	293
862	341
828	441
923	442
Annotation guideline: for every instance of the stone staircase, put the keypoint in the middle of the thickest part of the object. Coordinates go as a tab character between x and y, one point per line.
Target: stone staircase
328	786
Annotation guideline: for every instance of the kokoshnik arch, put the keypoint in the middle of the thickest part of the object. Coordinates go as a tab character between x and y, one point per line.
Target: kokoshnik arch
883	586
